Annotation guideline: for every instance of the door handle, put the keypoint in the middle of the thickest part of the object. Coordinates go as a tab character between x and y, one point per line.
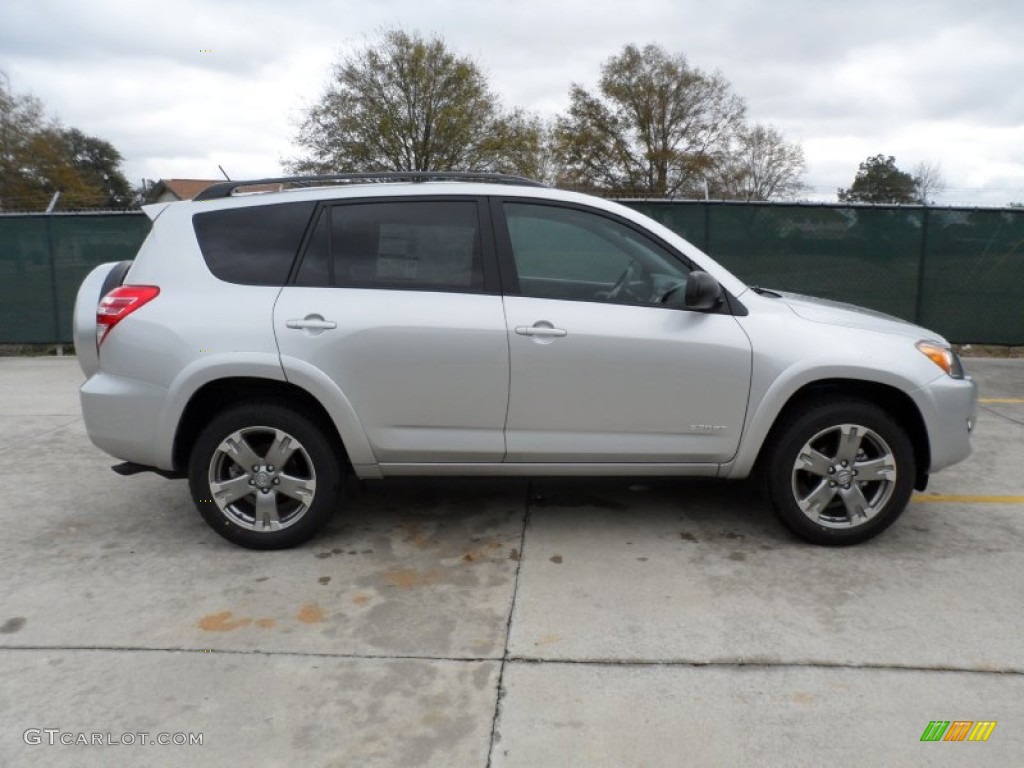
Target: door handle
543	331
312	323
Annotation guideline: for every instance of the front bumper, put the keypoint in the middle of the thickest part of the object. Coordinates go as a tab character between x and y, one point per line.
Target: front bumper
950	410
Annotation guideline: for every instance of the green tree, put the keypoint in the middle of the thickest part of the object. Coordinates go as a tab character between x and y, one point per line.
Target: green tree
39	157
878	180
21	116
98	163
655	126
410	104
761	165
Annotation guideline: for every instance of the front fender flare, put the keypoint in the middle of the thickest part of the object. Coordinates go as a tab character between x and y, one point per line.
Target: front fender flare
765	412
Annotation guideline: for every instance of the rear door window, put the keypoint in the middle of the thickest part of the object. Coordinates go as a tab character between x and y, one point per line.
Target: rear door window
421	244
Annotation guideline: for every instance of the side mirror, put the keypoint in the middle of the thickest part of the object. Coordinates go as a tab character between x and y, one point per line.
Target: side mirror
703	292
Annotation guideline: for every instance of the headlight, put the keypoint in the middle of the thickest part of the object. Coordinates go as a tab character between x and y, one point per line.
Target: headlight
942	356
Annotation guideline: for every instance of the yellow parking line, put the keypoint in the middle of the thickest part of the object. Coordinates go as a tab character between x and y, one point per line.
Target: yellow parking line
936	497
1001	400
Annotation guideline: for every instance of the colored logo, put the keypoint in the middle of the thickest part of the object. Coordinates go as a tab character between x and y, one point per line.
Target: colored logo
958	730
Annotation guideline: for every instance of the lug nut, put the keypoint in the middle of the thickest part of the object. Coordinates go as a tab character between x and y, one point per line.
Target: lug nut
832	484
831	470
255	467
847	486
277	481
270	468
844	463
267	490
251	481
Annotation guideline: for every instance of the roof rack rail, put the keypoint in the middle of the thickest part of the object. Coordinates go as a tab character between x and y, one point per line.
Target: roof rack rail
226	188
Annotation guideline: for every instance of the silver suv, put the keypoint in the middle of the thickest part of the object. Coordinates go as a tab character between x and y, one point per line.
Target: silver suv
265	344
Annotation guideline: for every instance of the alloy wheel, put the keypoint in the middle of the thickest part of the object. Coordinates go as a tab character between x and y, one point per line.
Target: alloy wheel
844	476
262	479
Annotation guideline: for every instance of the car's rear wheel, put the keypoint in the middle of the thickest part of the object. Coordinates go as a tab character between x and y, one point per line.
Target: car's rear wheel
840	472
264	476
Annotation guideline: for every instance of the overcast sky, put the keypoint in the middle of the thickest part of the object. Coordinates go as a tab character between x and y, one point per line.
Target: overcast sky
923	80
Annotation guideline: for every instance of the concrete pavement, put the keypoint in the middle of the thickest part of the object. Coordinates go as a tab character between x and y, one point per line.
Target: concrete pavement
478	622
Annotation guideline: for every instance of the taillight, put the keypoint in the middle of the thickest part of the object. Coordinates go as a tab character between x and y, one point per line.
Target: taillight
118	304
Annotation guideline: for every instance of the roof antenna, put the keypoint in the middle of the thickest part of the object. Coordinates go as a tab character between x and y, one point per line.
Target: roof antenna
224	172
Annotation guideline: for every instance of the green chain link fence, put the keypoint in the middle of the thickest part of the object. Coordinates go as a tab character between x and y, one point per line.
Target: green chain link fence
958	271
43	260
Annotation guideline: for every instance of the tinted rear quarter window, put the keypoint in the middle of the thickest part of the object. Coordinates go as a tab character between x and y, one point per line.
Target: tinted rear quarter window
254	245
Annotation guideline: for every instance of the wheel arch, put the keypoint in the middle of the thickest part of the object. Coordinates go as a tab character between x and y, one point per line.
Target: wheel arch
893	400
212	397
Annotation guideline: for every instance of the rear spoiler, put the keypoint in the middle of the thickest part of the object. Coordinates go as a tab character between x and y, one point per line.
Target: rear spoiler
154	209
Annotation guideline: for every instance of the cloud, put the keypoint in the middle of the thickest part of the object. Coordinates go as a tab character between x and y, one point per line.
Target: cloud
923	80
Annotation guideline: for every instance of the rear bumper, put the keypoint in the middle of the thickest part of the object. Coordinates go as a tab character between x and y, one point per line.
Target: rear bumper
121	416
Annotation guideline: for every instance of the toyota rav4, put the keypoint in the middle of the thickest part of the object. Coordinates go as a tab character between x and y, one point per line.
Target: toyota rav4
264	344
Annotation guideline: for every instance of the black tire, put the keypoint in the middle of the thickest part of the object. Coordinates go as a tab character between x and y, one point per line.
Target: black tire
279	506
821	437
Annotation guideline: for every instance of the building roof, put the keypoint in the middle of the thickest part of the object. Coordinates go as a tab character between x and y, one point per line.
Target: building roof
183	189
187	189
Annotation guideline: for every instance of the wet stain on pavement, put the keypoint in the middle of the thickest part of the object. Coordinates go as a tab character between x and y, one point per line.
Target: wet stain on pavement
325	580
556	559
326	554
226	621
222	622
688	536
12	625
311	613
414	535
480	553
407	578
572	500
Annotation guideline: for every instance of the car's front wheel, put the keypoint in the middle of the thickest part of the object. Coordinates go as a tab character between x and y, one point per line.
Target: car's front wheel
264	476
840	472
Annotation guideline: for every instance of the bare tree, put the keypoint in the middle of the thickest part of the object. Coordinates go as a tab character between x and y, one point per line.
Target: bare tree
761	166
656	126
928	181
410	104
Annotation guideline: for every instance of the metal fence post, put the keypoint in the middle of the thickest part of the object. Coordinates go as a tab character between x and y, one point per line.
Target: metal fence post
53	276
921	259
707	226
